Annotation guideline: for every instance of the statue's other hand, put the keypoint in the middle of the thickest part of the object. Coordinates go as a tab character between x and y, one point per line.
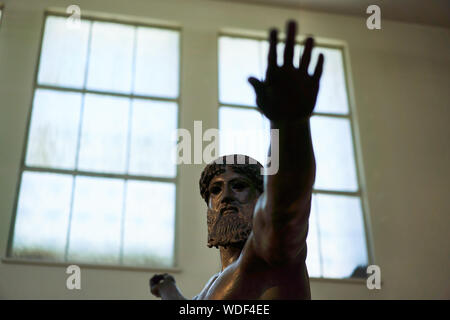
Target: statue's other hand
158	281
288	93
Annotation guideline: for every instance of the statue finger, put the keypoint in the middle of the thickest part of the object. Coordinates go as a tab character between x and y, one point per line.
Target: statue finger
306	56
319	68
272	57
291	30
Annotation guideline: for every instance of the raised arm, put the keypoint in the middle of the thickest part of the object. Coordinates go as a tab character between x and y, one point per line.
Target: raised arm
287	97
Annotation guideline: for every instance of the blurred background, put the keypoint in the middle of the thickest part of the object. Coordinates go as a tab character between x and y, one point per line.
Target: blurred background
91	95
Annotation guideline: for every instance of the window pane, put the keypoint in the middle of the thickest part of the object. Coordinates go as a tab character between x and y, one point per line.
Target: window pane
313	246
238	60
153	139
95	232
342	236
104	134
54	127
157	62
332	96
63	53
333	149
111	57
42	216
149	224
244	131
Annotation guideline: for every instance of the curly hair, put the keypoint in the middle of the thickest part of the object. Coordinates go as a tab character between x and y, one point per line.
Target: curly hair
249	168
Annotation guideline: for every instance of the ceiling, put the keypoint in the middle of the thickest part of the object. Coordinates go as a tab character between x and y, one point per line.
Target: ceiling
429	12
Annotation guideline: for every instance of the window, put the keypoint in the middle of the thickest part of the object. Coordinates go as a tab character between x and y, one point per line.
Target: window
336	240
99	143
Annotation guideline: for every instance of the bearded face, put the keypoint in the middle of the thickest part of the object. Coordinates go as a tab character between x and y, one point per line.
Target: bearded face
232	199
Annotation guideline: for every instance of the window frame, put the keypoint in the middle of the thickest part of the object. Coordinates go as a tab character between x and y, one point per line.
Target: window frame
74	173
2	13
350	115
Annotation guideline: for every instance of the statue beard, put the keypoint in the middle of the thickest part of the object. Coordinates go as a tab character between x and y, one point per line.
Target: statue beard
228	230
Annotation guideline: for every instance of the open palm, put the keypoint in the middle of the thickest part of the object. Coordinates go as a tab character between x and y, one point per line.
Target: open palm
288	93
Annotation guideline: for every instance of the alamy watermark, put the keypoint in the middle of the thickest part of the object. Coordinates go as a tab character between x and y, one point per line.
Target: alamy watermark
374	280
74	20
233	138
374	20
74	280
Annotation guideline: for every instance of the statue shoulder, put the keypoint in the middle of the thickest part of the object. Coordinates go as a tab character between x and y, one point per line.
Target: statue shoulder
202	294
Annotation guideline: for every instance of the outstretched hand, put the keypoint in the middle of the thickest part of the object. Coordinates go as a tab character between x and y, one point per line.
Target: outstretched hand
288	93
158	281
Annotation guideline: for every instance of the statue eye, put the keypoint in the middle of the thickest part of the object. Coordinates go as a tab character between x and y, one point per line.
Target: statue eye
239	185
214	190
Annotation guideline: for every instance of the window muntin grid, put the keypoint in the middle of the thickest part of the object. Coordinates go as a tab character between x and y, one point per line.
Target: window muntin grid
59	236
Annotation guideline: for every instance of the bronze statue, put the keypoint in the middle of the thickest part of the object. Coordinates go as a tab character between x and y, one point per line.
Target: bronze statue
260	223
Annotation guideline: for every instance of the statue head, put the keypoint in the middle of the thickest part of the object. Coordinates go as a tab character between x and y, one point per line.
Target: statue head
230	186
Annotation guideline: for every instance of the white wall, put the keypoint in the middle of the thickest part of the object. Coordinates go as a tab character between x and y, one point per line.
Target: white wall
400	79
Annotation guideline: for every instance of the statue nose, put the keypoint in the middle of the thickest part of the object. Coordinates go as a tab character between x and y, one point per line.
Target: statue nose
228	195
